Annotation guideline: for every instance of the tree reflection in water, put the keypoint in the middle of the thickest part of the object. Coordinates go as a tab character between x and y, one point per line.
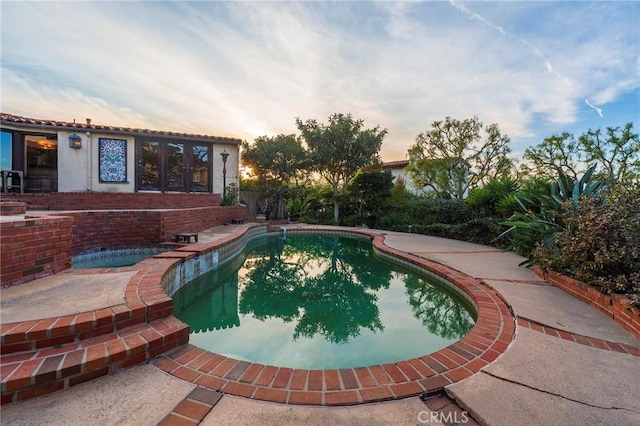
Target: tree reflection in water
441	313
315	282
323	286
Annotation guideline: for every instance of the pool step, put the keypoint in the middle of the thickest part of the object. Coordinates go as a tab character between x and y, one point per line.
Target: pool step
51	332
41	371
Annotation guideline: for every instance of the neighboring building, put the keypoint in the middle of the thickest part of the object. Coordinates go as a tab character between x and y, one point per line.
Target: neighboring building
57	156
399	173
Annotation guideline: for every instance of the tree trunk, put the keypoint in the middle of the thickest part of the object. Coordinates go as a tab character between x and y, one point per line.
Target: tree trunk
336	205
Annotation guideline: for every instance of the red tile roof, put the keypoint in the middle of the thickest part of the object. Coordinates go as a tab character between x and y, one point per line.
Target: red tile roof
63	125
395	164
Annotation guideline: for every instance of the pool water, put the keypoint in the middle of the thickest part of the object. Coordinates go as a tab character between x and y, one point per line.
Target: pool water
320	302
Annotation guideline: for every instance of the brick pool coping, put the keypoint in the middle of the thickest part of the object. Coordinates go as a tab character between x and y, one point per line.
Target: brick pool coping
428	374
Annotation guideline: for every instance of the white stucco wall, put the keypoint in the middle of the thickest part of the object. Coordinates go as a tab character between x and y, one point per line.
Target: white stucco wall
233	166
78	169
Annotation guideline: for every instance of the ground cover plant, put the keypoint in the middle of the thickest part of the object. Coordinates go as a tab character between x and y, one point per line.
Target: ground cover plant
599	244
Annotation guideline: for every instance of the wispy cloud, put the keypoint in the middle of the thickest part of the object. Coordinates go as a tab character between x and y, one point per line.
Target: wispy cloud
598	110
247	69
473	15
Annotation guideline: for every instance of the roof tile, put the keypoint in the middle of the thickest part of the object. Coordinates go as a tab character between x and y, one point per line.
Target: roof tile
10	118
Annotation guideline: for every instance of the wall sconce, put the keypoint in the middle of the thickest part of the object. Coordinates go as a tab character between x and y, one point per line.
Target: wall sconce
75	141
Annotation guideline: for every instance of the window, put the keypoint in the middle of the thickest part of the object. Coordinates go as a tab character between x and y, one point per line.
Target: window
6	154
41	171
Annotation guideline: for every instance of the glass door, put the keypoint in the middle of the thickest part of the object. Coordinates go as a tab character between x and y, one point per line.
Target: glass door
199	168
149	165
175	166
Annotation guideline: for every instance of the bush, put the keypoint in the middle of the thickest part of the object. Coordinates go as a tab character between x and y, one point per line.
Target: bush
427	211
436	230
600	245
543	213
480	231
395	220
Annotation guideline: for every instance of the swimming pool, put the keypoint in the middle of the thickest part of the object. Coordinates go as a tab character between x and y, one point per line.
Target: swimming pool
318	302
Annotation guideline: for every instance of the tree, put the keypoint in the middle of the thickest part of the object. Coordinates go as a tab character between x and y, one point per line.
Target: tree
370	189
339	149
277	160
615	152
453	157
556	155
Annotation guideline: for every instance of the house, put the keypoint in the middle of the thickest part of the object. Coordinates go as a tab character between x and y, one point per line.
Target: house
399	173
38	155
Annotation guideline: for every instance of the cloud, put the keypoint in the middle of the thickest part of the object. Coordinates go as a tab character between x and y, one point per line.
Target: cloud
462	8
247	69
598	110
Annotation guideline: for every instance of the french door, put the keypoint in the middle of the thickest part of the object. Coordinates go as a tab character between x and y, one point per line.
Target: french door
173	166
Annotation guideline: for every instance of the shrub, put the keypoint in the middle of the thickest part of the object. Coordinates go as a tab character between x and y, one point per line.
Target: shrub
428	211
543	213
435	230
600	245
395	220
497	197
480	231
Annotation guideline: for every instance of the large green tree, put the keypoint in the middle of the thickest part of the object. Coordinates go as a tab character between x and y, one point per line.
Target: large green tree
370	190
454	156
278	160
615	152
339	149
280	163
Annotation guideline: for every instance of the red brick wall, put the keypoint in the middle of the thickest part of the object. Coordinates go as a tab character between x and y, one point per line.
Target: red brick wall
103	200
116	229
33	248
614	305
10	208
38	246
196	220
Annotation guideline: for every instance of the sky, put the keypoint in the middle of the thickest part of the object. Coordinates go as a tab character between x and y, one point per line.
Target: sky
248	69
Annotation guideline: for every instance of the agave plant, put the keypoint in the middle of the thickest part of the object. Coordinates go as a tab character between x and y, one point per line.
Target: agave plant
540	216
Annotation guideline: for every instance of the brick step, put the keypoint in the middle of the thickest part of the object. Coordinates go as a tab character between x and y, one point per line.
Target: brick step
49	332
29	374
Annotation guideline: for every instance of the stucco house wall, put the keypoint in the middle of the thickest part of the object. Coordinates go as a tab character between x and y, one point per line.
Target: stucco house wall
78	169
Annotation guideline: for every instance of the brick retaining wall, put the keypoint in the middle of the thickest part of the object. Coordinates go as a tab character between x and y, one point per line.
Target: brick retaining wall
36	246
116	229
613	305
33	248
111	201
10	208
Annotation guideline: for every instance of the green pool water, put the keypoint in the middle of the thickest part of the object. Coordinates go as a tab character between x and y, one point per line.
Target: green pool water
319	302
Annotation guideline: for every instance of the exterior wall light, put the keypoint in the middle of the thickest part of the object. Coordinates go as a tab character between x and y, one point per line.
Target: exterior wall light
75	141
